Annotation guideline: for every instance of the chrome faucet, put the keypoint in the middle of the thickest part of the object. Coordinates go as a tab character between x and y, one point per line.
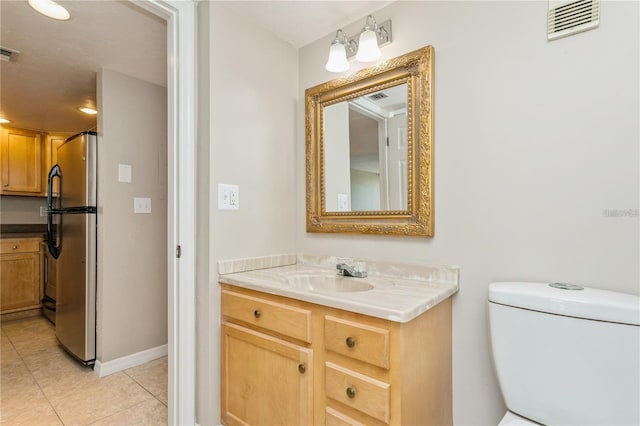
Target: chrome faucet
357	271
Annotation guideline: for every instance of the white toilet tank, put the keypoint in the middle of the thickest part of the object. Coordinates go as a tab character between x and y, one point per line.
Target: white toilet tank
567	356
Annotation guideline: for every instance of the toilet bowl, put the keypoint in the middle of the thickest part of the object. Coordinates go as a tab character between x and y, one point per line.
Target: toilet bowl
511	419
566	354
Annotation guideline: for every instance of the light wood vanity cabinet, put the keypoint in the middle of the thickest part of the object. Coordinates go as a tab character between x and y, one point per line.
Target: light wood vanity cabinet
288	362
19	274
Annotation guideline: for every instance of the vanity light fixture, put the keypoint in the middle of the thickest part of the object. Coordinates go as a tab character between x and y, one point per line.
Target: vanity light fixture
87	110
366	49
50	9
337	61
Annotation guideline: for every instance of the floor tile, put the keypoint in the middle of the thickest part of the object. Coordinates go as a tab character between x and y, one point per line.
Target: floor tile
39	412
21	399
14	374
54	368
30	335
150	412
91	402
152	376
43	385
7	352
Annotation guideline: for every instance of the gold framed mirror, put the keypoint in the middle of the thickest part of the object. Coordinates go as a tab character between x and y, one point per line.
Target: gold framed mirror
369	149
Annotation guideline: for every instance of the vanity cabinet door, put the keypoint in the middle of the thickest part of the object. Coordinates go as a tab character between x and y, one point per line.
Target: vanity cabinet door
265	380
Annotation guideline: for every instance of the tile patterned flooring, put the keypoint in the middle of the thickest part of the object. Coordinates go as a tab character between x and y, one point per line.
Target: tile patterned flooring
40	384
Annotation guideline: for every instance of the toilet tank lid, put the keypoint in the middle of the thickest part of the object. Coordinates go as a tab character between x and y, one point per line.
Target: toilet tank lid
588	303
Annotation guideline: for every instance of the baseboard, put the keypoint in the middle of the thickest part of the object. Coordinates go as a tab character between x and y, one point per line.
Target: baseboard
105	368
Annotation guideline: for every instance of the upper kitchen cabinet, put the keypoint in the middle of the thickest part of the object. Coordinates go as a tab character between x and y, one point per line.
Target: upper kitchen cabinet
21	162
52	142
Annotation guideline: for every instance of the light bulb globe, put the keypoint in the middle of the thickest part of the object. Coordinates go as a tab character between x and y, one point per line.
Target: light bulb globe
368	50
337	61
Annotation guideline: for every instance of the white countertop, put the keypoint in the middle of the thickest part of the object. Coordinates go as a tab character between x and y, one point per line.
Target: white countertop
400	291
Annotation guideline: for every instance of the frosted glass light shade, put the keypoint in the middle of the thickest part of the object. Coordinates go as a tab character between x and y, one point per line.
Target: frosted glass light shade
51	9
337	58
368	50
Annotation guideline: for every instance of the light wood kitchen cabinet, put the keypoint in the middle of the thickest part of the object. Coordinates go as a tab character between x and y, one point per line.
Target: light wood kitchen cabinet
21	163
52	142
19	274
363	370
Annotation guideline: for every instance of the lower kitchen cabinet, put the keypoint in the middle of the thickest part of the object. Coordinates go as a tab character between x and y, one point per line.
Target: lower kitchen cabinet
19	274
266	381
288	362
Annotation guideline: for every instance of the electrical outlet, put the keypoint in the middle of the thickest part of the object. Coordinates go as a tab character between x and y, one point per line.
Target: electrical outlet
43	211
228	197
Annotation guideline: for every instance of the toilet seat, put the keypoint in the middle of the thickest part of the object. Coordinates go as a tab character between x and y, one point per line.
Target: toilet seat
512	419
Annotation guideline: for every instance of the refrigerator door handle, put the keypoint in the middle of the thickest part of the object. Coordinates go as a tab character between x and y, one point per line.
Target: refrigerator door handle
51	236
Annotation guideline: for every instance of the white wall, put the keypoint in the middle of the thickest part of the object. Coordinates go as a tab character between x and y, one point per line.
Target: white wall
534	140
253	94
132	248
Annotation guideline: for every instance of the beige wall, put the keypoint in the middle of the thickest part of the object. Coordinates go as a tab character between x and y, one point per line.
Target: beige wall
253	98
22	209
534	141
132	248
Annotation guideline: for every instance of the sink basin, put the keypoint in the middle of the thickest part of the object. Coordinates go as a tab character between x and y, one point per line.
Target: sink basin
328	283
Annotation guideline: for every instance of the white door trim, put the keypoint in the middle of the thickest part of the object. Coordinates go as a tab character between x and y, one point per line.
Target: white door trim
181	97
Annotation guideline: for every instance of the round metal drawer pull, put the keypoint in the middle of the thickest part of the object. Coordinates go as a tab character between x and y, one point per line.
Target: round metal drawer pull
302	368
14	247
351	392
351	342
257	313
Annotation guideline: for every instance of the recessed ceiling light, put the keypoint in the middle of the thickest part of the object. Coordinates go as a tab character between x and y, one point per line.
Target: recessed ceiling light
88	110
50	8
4	121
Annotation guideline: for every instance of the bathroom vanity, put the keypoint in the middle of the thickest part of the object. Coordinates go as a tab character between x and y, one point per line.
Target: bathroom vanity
302	345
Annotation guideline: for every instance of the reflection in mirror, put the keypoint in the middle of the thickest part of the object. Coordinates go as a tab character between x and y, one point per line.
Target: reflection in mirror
369	149
366	152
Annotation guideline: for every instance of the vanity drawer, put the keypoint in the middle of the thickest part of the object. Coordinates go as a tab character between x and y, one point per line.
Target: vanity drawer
359	341
21	245
336	418
363	393
283	319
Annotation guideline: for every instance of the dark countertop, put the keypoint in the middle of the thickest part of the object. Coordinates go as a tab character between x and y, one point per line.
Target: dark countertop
27	230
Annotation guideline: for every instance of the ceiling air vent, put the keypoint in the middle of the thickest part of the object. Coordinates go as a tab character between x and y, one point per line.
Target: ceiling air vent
378	96
570	17
6	54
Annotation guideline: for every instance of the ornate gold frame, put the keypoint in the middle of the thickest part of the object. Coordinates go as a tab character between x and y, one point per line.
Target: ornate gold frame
415	69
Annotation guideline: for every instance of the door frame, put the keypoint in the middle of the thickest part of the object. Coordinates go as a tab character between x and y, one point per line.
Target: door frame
181	145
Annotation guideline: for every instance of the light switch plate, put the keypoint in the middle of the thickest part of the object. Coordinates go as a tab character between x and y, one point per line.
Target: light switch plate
228	197
141	205
124	173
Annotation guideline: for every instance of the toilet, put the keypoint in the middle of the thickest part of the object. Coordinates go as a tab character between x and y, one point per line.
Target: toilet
565	354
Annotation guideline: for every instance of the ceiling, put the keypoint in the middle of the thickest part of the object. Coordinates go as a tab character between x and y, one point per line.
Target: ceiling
55	71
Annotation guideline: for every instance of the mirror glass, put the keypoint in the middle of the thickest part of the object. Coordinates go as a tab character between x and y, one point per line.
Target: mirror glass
369	149
366	152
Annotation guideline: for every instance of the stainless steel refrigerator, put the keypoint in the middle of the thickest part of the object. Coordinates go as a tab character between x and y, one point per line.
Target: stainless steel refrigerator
71	239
